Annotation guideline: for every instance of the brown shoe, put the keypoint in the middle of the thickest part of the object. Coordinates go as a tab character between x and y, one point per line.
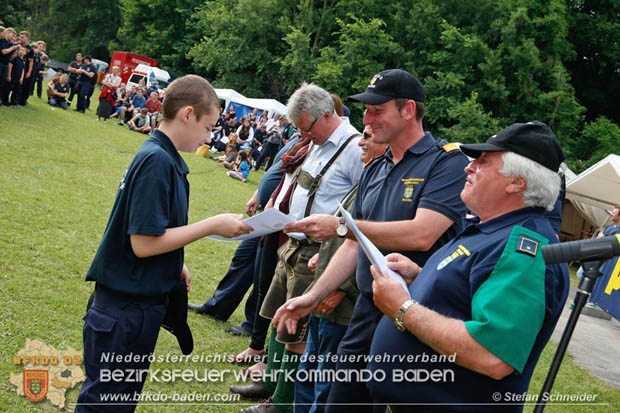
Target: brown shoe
266	407
254	391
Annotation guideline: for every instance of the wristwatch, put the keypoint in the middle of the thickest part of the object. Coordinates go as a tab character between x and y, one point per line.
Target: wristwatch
399	320
341	229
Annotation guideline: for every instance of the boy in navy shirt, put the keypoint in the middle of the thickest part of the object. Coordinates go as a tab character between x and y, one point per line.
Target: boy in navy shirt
16	76
22	99
139	267
7	48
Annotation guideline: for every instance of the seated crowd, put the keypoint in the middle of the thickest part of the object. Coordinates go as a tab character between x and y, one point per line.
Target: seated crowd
249	141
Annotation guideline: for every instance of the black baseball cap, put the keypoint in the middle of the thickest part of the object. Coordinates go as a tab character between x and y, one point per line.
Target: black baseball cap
391	84
534	140
175	319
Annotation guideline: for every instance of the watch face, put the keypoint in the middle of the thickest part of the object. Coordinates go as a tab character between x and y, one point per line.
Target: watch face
341	230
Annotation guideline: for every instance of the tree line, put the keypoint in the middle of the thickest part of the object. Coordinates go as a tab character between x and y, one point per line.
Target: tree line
485	64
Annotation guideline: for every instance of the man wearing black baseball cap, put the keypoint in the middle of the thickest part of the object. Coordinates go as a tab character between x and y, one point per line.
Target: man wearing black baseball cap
533	140
407	201
482	292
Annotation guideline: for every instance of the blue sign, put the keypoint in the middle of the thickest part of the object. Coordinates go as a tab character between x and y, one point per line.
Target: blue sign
606	292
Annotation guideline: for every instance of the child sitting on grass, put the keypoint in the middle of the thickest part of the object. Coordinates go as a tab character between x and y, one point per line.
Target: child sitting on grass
231	151
241	169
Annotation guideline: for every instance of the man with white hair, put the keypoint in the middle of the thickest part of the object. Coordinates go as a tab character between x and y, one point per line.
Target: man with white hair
483	307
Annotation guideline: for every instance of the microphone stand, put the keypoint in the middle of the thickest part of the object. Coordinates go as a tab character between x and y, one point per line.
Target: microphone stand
591	271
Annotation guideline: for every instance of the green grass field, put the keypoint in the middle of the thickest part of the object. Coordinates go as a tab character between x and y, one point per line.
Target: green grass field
59	175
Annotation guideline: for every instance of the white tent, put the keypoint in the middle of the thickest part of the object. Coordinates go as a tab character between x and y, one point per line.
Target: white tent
270	105
598	185
596	190
580	220
228	95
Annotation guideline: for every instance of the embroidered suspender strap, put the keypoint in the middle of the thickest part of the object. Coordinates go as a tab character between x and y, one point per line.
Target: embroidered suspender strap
314	186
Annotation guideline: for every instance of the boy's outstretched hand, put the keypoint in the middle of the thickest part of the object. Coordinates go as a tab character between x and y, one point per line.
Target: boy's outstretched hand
229	225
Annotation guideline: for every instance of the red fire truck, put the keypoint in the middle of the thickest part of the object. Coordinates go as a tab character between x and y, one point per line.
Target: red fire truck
128	61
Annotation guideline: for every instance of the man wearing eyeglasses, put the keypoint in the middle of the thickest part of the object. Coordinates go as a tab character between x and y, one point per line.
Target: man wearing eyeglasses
330	169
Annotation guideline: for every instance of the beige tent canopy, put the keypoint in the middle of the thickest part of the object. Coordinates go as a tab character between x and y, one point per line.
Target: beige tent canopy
592	194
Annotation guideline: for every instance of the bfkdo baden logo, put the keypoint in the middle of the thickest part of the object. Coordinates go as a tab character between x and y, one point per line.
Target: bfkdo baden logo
47	372
36	383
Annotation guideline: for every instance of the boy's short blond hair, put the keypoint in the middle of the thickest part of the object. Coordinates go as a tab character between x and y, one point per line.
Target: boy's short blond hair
24	32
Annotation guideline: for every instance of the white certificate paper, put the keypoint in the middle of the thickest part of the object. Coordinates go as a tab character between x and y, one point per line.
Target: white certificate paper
372	252
264	223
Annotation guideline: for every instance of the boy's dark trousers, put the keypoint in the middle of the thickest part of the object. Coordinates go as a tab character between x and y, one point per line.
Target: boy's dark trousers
39	82
16	91
119	329
4	85
73	84
25	90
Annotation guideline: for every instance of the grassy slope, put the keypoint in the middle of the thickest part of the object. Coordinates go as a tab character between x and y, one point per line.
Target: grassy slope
59	174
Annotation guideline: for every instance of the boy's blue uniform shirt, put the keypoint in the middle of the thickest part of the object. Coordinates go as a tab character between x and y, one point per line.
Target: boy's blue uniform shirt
152	196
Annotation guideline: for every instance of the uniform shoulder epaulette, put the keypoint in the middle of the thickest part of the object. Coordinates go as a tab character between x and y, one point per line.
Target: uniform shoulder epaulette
449	147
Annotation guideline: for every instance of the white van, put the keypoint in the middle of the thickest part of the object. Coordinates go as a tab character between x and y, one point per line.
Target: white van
149	74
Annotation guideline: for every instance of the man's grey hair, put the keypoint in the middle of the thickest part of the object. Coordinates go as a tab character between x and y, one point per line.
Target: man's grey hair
543	185
311	98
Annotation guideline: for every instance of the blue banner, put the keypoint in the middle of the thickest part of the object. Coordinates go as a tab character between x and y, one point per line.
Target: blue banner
606	292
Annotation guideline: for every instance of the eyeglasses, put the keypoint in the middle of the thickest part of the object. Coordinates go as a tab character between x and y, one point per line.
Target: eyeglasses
307	131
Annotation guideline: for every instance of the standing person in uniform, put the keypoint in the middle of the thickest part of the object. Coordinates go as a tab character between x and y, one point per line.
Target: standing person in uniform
74	75
486	299
26	86
407	201
86	84
7	48
15	77
140	260
43	59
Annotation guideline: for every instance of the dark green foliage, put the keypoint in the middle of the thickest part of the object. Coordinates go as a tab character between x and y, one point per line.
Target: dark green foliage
485	64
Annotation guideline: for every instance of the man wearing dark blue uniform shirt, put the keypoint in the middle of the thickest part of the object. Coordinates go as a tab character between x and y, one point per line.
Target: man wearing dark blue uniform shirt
407	201
483	307
86	84
74	75
139	267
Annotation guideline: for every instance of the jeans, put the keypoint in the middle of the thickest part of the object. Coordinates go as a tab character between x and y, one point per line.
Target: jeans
323	339
62	103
